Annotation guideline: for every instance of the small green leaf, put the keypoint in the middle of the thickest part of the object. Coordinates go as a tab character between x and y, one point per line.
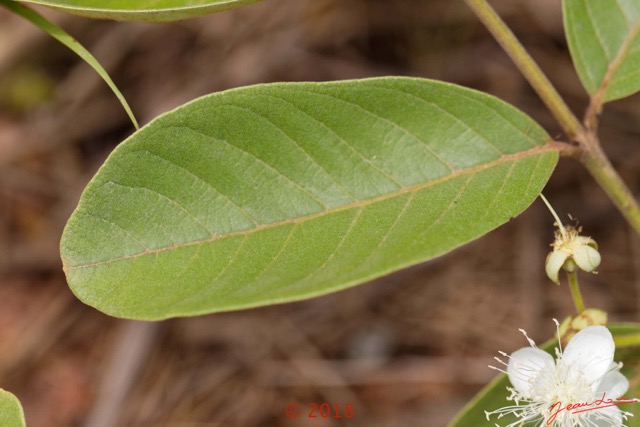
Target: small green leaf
604	40
64	38
11	414
141	10
494	395
282	192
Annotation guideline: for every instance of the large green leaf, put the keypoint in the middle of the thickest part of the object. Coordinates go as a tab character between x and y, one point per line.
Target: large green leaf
64	38
604	40
11	414
141	10
494	395
281	192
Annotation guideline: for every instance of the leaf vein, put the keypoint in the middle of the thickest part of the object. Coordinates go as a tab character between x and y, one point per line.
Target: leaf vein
343	141
207	184
268	265
468	128
500	191
538	150
387	121
127	232
201	295
258	159
438	219
376	249
333	253
170	200
301	147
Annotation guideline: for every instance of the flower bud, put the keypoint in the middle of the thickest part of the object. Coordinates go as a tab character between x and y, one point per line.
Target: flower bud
590	317
570	250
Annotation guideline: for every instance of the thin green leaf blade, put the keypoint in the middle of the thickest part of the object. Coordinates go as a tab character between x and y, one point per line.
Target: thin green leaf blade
282	192
604	40
11	413
141	10
64	38
494	395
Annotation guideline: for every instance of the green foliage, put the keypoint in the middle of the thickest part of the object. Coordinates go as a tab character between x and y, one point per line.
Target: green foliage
494	395
141	10
64	38
281	192
604	40
11	414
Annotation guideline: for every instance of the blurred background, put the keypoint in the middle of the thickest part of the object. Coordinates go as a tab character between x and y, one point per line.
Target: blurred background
406	350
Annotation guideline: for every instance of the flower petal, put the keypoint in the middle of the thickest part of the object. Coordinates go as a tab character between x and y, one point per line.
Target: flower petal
606	417
588	355
554	263
613	384
587	258
525	366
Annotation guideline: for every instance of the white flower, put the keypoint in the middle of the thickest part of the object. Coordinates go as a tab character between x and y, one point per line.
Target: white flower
581	388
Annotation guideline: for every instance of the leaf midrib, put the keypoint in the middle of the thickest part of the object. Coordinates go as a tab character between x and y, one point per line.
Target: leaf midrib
541	149
614	65
131	11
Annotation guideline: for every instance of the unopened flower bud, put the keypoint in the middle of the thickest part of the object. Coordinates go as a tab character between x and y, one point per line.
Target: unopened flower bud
590	317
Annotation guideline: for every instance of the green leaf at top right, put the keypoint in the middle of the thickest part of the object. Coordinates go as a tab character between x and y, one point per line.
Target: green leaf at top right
604	40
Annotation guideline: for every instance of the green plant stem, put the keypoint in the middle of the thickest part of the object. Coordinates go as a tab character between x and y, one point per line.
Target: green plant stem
587	147
597	163
629	340
575	291
527	66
